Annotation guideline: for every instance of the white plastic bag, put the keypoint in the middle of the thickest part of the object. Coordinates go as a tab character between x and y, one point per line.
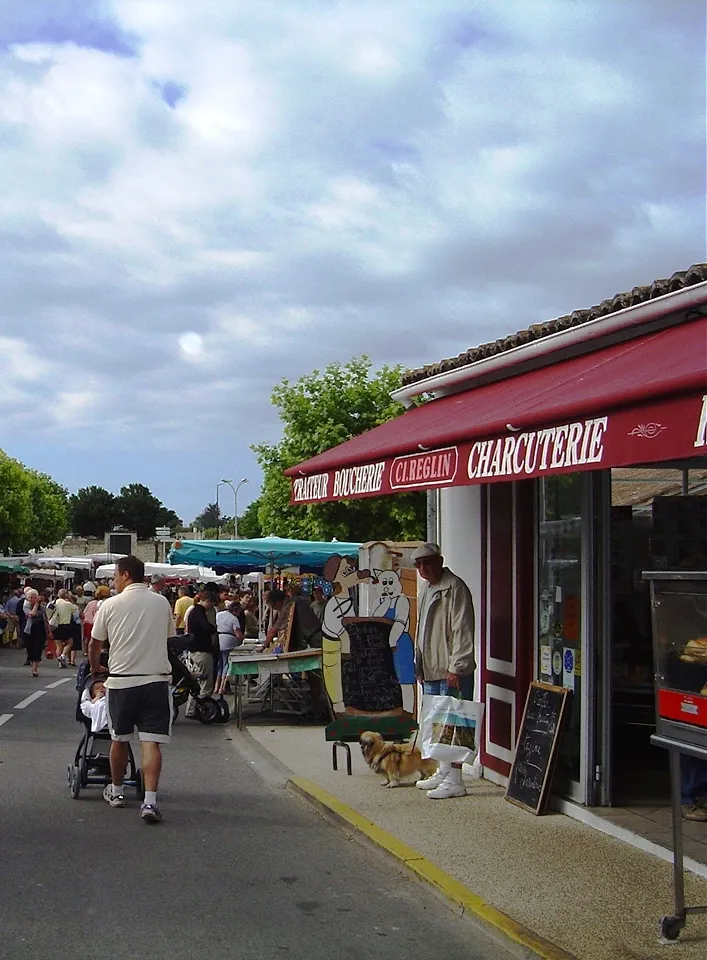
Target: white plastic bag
450	728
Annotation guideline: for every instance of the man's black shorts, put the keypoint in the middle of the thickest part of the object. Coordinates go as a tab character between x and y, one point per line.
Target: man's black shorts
147	708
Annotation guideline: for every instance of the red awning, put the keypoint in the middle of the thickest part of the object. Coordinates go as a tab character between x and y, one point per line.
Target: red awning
635	402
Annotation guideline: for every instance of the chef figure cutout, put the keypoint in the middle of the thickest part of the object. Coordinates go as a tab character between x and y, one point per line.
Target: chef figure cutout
394	605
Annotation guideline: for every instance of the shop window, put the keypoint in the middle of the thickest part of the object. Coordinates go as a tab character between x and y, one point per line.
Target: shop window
560	603
658	522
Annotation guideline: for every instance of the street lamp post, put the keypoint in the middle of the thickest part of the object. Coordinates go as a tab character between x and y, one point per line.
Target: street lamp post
235	489
218	510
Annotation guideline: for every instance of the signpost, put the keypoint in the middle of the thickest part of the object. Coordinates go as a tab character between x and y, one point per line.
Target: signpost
164	536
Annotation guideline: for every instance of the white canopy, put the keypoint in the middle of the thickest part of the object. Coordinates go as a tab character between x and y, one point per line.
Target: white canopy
183	571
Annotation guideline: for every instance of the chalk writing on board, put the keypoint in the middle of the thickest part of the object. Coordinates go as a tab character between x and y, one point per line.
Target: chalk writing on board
538	741
370	683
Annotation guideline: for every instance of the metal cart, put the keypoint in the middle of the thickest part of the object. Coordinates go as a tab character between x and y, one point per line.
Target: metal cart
679	618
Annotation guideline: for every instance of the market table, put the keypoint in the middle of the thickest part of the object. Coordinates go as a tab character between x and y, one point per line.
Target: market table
266	666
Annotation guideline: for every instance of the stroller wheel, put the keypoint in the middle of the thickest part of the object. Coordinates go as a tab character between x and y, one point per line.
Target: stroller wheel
224	713
139	786
74	782
207	710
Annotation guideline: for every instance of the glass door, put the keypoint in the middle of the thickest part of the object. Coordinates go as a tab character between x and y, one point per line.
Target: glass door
561	616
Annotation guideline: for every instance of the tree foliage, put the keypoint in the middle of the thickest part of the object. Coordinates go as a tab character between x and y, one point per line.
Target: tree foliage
33	508
209	518
319	411
249	523
50	512
137	508
95	511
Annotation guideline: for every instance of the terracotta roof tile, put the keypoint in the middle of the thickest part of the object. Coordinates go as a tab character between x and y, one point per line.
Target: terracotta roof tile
697	273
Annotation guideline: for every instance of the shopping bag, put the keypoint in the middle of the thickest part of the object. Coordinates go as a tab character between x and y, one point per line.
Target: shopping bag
450	728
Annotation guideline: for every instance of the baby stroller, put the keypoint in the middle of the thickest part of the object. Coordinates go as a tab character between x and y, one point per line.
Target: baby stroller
91	766
185	684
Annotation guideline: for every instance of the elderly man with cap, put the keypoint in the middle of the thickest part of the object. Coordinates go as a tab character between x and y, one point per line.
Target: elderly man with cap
444	650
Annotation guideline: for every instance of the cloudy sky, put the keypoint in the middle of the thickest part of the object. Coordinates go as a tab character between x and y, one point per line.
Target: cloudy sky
200	198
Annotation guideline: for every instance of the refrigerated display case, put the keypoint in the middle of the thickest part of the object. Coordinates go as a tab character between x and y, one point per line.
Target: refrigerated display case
679	617
679	621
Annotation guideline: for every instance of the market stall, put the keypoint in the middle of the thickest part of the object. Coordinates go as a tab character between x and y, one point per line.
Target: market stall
264	553
192	572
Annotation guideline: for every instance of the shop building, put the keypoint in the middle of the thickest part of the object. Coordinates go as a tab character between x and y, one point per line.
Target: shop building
564	460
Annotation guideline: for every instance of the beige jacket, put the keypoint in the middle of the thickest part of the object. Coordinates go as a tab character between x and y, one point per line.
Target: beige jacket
445	629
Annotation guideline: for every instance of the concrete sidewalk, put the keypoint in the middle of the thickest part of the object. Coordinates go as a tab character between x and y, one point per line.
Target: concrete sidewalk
591	895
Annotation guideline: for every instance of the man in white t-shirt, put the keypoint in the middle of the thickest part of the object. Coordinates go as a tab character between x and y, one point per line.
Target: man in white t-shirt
136	624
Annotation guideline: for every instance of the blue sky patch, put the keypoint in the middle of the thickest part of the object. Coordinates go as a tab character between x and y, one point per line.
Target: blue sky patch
396	150
171	92
59	23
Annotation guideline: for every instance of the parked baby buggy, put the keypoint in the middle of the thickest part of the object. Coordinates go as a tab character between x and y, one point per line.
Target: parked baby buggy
91	766
185	684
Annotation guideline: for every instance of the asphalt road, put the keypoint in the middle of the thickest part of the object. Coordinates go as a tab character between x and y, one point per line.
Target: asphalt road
239	868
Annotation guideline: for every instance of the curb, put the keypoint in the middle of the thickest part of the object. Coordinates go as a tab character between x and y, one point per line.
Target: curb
460	897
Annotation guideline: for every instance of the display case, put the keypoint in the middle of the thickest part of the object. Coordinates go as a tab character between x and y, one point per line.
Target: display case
679	619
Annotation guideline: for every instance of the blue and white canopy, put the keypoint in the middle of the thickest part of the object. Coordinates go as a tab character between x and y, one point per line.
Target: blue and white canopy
259	554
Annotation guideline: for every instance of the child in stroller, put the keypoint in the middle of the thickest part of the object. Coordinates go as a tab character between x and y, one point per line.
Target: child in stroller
91	766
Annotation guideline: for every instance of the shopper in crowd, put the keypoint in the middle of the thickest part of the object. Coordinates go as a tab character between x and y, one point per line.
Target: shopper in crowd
36	630
318	602
62	624
230	623
252	619
182	604
444	654
135	624
203	645
305	632
89	613
15	601
80	599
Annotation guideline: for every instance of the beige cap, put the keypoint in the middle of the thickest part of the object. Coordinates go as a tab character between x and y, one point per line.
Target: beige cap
426	550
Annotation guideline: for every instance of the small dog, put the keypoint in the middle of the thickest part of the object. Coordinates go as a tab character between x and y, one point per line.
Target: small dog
400	765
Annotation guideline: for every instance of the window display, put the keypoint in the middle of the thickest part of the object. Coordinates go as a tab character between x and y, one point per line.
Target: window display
679	607
559	604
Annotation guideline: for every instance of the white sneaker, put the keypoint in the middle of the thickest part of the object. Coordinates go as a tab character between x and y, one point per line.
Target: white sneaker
436	780
113	799
447	789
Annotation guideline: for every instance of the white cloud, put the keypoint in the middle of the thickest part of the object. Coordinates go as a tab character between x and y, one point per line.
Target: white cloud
260	189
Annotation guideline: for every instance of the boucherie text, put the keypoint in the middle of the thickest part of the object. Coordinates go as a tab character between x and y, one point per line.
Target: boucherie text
349	482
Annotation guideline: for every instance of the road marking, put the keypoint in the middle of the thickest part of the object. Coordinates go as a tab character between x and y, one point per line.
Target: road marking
30	699
4	717
58	683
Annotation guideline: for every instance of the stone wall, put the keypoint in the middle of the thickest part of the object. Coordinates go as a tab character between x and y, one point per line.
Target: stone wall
149	551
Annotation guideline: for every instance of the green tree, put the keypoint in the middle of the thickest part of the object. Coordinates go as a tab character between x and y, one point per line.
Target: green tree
15	504
248	523
92	512
50	519
209	518
320	411
137	508
168	518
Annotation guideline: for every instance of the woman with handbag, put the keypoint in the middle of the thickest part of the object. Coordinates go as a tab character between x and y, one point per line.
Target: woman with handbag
36	630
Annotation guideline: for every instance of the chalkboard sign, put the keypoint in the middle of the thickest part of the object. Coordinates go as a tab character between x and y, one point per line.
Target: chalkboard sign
370	683
538	741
